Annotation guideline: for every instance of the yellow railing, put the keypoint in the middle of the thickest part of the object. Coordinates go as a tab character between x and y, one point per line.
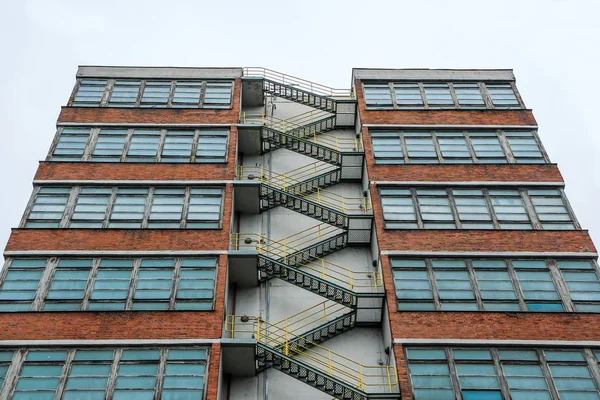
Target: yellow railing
281	338
284	125
327	198
297	82
288	123
334	273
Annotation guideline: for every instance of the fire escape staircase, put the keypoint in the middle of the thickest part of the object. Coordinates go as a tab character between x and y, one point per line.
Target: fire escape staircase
351	298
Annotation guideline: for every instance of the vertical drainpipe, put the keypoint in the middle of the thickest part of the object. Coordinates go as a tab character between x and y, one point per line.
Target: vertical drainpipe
267	284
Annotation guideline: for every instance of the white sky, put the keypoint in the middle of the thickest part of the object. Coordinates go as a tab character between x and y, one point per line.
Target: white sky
553	47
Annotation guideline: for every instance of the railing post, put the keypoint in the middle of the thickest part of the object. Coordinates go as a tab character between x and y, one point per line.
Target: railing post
233	326
258	329
389	379
285	250
361	385
329	367
287	346
322	269
343	204
351	284
319	195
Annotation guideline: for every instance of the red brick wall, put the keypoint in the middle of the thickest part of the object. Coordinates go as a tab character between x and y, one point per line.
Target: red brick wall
212	386
154	115
141	171
441	117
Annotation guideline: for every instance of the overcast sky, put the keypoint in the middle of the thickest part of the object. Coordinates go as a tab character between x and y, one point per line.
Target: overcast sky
553	47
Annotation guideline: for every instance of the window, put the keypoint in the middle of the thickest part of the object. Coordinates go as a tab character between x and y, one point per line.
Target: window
48	207
124	94
398	209
88	373
128	208
494	284
212	146
218	94
420	147
90	208
111	286
509	209
487	147
474	209
378	94
583	283
537	286
187	94
67	288
71	144
68	284
524	147
408	95
527	373
468	95
40	376
166	210
20	284
90	93
153	93
156	94
550	209
435	210
503	95
387	147
142	145
178	146
5	360
454	148
440	95
390	147
110	145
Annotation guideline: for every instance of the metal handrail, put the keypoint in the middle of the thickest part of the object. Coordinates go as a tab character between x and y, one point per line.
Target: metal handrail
335	273
327	198
299	83
287	125
319	357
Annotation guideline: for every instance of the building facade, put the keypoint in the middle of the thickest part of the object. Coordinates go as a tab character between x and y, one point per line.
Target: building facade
239	233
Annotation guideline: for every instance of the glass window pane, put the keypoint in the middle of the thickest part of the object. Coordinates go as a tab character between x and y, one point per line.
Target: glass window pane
124	93
377	94
90	93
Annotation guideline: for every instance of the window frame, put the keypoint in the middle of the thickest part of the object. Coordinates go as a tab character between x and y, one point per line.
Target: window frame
552	267
490	193
109	86
424	103
467	135
199	266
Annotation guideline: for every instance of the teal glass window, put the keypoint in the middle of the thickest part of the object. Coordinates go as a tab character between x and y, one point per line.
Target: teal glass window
524	147
5	360
185	375
204	210
90	93
398	209
487	147
187	94
503	95
128	208
454	147
472	209
110	145
71	144
20	284
111	285
509	209
166	210
143	146
583	283
387	147
178	146
218	94
551	209
420	147
137	375
468	95
40	375
438	95
67	287
156	94
408	95
48	207
413	288
154	284
212	146
89	374
435	209
90	208
124	93
378	94
196	284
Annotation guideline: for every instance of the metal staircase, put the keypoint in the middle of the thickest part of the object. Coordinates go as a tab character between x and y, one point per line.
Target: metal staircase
294	345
